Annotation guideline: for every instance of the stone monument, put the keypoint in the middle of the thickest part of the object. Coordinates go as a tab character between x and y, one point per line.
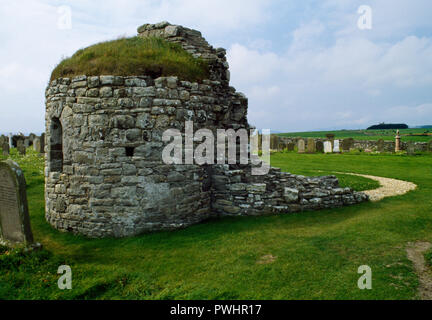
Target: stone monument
290	146
380	145
104	172
301	146
320	146
5	148
336	147
37	145
311	145
328	147
398	142
21	147
14	217
347	144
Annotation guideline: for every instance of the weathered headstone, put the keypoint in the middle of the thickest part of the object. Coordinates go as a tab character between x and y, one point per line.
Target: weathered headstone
311	145
5	149
274	142
328	147
290	146
429	147
301	146
37	146
14	217
330	137
380	145
336	146
42	140
411	148
26	142
10	141
2	140
347	144
320	146
21	148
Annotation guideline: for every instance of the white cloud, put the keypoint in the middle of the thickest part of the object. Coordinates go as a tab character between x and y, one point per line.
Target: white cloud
340	84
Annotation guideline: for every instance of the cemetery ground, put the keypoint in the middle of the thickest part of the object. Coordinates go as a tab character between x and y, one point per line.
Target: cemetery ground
413	135
307	255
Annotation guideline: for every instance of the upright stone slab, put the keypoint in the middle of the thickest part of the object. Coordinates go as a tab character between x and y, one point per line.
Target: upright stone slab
311	145
328	147
14	217
380	145
37	146
10	141
320	146
42	141
429	147
411	149
274	142
301	146
5	149
347	144
21	147
290	146
336	146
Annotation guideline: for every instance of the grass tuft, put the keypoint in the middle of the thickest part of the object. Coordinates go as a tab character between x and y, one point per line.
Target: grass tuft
133	57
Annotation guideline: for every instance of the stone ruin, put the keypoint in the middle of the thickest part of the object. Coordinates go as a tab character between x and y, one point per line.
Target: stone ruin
104	171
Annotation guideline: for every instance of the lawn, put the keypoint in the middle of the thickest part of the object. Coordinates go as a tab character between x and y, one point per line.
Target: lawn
419	135
317	254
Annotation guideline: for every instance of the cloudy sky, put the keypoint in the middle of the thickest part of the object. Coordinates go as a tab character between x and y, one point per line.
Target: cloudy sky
305	65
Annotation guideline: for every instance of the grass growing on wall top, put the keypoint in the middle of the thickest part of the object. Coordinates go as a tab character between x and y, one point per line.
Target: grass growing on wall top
131	57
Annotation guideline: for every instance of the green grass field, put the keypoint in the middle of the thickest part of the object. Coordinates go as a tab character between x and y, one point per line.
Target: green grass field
407	134
317	254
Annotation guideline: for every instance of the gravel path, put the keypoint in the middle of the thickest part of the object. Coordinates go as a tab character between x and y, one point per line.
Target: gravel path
389	187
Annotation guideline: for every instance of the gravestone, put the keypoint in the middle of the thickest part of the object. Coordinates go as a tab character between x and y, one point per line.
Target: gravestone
290	146
26	142
37	146
14	217
336	146
42	141
2	140
21	148
5	148
10	141
301	146
429	147
274	142
320	146
311	145
347	144
328	147
411	149
380	145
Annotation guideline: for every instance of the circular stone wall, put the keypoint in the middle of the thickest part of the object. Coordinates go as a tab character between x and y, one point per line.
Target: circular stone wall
104	170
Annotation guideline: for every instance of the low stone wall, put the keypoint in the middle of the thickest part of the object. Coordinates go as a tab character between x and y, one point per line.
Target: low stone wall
237	192
368	145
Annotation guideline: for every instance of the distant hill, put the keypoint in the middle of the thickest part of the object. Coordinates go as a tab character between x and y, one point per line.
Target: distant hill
384	126
424	127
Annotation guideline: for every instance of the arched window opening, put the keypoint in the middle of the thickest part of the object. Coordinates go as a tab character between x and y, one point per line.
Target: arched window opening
56	146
